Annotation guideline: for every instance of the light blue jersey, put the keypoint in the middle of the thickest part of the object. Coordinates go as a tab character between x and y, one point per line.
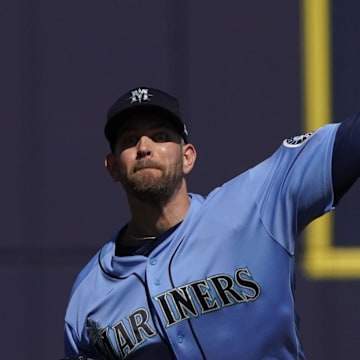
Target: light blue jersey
221	285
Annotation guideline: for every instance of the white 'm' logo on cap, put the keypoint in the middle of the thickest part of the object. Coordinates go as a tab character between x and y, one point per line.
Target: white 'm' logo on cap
140	95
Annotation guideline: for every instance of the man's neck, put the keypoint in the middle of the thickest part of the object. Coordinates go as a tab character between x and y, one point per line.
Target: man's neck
152	219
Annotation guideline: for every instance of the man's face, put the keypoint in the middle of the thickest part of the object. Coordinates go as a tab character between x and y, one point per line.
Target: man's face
148	158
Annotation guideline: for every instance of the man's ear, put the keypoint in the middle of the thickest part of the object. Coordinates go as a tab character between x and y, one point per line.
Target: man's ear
112	166
189	156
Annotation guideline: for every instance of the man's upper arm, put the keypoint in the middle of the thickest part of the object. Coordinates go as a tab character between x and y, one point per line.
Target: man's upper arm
346	156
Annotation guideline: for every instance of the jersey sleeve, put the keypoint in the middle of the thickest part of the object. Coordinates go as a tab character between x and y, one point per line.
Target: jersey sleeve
346	156
70	343
73	346
294	185
75	343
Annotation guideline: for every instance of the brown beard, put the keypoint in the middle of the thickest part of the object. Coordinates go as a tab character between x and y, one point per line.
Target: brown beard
152	187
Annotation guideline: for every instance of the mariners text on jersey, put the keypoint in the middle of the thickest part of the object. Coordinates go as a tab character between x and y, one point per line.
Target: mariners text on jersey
182	303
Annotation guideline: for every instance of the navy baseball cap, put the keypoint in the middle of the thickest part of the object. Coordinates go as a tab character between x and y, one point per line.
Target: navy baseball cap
144	99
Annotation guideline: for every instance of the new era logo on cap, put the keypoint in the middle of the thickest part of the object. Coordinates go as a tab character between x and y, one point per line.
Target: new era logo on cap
146	99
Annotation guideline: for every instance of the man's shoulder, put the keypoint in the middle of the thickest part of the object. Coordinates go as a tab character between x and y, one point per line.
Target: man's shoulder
92	267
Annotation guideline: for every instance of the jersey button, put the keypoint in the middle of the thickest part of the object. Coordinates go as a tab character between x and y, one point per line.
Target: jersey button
180	339
157	282
153	261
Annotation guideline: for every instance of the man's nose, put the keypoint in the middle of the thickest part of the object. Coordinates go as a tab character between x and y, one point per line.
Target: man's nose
144	146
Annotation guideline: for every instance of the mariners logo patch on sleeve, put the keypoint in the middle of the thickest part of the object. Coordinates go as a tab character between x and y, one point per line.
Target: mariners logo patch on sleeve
297	141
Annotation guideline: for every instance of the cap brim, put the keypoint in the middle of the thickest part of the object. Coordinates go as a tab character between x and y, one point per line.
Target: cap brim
116	120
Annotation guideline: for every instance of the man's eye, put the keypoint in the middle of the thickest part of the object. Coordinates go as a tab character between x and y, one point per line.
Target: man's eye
129	141
160	137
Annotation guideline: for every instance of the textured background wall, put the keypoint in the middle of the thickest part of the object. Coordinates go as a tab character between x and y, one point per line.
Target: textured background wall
236	68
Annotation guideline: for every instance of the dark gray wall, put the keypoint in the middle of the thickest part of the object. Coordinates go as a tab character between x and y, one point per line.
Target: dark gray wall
235	66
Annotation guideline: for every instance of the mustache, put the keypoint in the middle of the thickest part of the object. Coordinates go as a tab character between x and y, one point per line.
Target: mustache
147	163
